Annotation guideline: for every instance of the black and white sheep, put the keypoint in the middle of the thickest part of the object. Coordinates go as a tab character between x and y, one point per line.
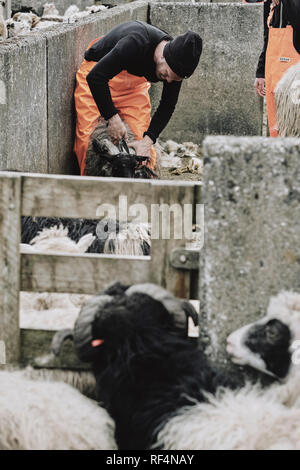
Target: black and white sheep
108	236
251	417
267	344
146	369
103	158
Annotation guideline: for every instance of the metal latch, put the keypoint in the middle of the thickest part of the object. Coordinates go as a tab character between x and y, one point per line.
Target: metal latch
180	258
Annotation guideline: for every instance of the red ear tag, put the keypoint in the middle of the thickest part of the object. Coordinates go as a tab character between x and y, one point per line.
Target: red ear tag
97	342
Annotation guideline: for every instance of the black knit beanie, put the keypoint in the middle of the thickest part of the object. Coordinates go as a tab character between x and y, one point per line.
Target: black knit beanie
183	53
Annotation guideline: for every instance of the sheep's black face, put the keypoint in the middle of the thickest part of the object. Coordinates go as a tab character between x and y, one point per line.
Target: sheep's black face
130	325
271	341
123	166
262	345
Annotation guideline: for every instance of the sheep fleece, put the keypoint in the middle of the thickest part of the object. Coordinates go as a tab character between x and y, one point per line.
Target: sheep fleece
40	415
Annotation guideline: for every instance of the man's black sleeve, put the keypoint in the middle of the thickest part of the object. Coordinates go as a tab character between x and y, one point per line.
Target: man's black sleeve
260	71
118	59
165	109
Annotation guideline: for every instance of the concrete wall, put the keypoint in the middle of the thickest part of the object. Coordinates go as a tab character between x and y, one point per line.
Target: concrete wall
219	97
251	192
37	80
23	105
61	5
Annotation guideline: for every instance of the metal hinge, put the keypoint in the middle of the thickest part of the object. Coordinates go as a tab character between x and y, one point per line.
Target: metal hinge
180	258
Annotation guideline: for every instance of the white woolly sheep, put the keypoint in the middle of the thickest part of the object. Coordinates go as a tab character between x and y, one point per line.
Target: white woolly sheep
287	95
43	415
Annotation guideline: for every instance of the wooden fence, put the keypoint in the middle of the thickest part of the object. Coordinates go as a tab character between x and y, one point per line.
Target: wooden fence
77	197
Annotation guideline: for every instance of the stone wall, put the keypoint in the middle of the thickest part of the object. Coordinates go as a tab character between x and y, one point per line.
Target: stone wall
251	192
219	97
37	81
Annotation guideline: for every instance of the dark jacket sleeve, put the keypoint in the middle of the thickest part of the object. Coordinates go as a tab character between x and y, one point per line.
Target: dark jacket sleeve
118	59
260	71
165	109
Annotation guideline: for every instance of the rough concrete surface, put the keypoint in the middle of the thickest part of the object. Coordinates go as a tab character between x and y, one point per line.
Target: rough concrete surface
23	106
219	97
251	192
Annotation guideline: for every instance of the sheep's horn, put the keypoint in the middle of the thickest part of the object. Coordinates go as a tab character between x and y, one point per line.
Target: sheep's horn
123	146
97	148
83	336
181	309
58	340
190	311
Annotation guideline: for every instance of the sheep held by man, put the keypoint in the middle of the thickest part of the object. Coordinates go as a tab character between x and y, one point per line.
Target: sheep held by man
43	415
287	95
103	158
146	369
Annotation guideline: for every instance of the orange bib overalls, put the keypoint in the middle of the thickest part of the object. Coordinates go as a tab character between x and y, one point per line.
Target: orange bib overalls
280	56
131	98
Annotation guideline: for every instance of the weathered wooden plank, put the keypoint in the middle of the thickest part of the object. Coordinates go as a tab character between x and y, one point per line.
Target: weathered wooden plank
181	199
84	274
71	196
10	193
36	351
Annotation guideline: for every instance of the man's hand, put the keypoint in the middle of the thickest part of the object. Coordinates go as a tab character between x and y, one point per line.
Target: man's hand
142	147
116	129
275	3
259	86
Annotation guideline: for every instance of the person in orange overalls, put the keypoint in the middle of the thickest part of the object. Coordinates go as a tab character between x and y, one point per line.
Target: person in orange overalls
281	51
113	81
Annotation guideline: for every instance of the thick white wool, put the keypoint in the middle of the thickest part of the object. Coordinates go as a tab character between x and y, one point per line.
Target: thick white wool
249	419
129	240
38	415
287	94
55	239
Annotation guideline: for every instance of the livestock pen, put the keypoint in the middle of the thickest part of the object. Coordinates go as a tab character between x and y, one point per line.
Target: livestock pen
171	263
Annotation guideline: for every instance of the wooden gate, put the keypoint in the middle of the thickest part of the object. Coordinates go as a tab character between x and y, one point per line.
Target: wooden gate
79	197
